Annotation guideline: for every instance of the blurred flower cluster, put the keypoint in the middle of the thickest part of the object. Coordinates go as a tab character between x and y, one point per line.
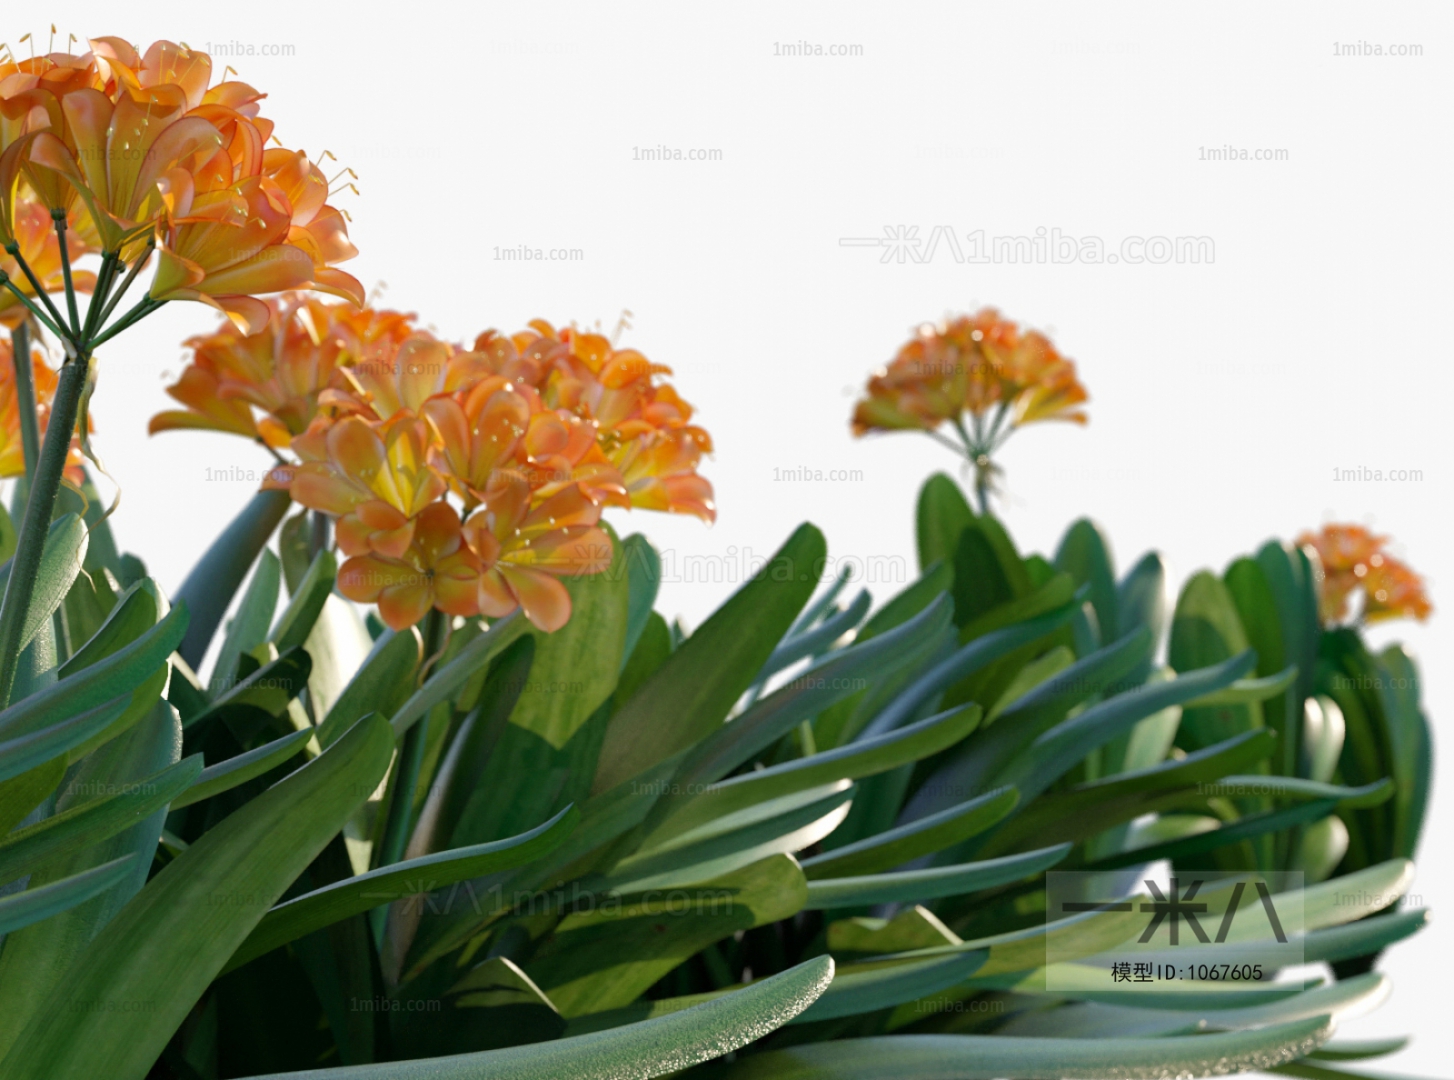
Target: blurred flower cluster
126	151
1354	563
982	376
464	480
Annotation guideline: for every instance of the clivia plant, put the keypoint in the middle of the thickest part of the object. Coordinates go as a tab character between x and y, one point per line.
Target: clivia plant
465	805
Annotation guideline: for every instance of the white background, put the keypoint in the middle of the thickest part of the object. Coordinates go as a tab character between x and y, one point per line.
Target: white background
1224	395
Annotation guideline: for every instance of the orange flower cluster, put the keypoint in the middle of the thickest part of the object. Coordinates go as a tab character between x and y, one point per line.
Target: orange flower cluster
1353	559
532	435
972	364
43	379
138	148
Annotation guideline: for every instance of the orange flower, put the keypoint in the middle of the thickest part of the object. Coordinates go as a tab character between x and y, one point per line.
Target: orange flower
437	570
524	550
375	481
1352	559
150	150
972	364
282	371
642	427
40	247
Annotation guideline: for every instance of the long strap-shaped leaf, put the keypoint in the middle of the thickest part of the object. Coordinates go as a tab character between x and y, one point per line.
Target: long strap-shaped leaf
930	884
120	673
22	754
93	821
453	675
985	1057
656	1047
328	905
31	906
159	954
226	775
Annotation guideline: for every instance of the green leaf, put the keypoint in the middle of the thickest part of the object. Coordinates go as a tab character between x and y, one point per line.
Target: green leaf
92	821
827	682
943	513
33	905
967	660
226	775
135	612
248	627
870	987
264	693
695	689
1141	601
643	567
163	950
930	884
445	682
986	1057
60	563
988	572
812	641
301	615
604	957
924	836
656	1047
1244	690
1359	1049
1049	756
333	903
26	752
1207	631
209	588
1085	555
1330	944
865	758
1290	787
381	685
100	683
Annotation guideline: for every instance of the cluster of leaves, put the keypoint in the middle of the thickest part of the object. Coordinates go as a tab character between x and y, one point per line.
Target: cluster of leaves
800	841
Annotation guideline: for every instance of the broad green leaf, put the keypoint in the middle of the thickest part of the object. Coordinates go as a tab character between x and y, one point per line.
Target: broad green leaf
26	752
774	826
209	588
864	758
332	903
666	1044
832	679
604	958
92	821
163	950
248	627
1330	944
264	693
226	775
1291	787
1293	581
924	836
1244	828
60	563
967	660
813	641
930	884
381	685
643	567
22	909
1258	612
864	937
975	767
870	987
1205	632
988	571
986	1057
1245	690
136	611
21	795
1049	756
445	682
695	689
1087	809
38	962
1359	1049
301	615
943	513
1142	601
1410	744
1085	555
338	645
104	681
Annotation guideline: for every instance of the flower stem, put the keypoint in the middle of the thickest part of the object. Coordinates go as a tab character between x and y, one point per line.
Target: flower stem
25	398
20	586
58	217
13	250
41	316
